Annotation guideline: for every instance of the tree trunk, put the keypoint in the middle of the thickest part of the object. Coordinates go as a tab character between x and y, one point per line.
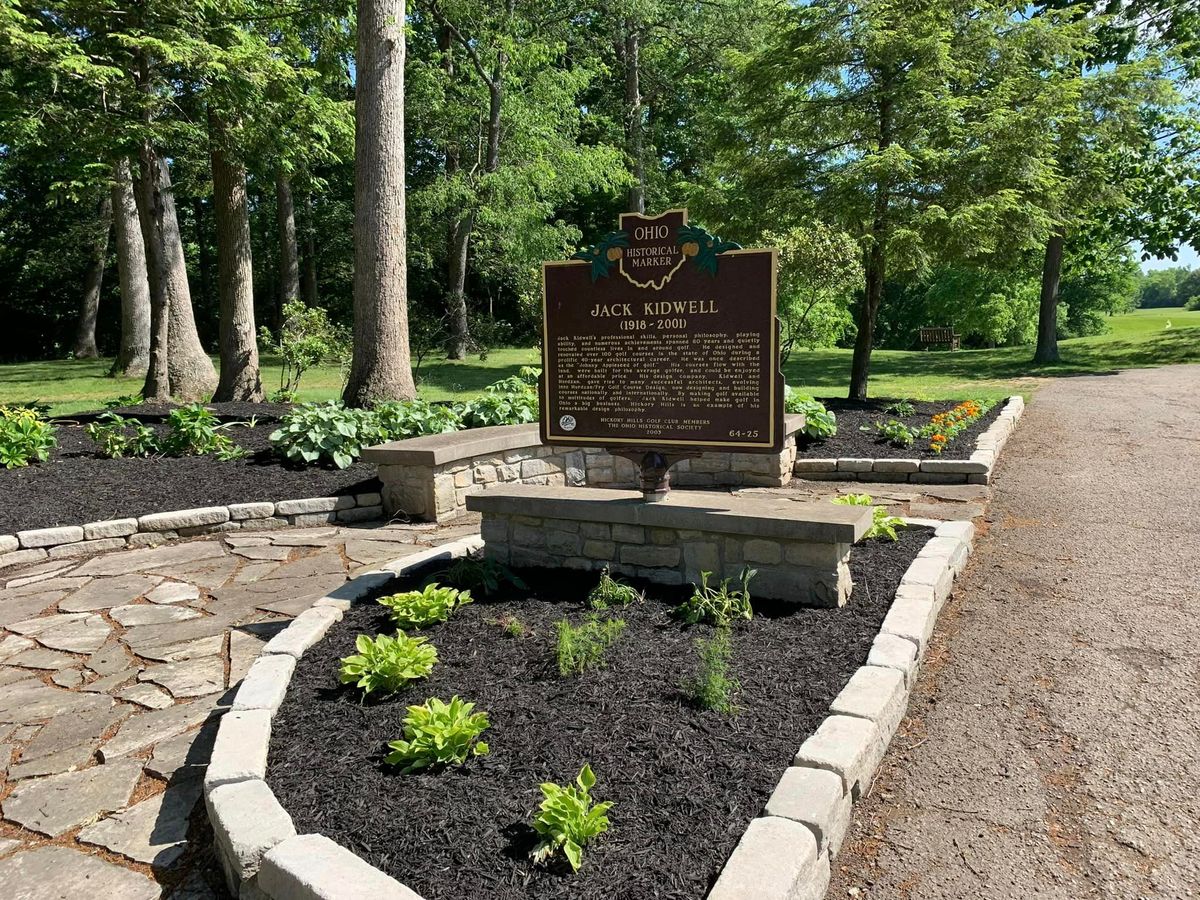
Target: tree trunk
235	275
1047	341
149	206
308	285
289	257
134	356
93	280
380	368
458	247
634	118
203	253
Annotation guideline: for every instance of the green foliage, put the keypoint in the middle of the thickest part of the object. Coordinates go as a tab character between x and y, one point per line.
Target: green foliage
117	437
307	338
568	819
326	432
514	627
410	418
428	606
196	431
720	605
610	592
901	408
895	433
581	648
713	687
510	401
439	734
387	663
882	524
819	423
125	400
25	437
819	268
481	575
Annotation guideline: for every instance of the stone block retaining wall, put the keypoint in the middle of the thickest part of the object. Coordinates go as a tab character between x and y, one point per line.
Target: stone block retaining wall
785	854
975	470
155	528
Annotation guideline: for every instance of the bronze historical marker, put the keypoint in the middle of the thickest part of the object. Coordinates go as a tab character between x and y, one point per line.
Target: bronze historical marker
662	338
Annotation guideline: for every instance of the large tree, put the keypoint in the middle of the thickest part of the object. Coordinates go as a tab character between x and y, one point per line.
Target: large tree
133	357
380	368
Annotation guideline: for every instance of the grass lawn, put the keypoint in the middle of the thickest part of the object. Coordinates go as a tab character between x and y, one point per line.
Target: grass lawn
1137	339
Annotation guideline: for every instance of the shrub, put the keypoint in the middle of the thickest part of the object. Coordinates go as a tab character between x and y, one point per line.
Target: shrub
415	417
583	648
439	734
25	436
483	576
117	437
326	432
510	401
712	688
195	431
419	609
568	820
610	592
388	663
819	423
306	339
882	525
719	605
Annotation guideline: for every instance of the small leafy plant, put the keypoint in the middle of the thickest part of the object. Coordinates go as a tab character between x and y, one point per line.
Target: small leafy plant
196	431
438	734
481	575
25	436
894	432
610	592
514	627
388	663
510	401
581	648
117	437
125	400
901	408
819	423
568	819
398	420
326	432
720	605
712	687
882	524
428	606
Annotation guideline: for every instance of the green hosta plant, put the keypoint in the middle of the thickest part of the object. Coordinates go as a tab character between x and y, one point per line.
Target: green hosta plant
720	605
610	592
437	734
25	436
581	648
326	432
568	819
882	524
117	437
428	606
388	663
819	423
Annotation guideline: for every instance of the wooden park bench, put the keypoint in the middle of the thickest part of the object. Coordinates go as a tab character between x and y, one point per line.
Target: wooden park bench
938	337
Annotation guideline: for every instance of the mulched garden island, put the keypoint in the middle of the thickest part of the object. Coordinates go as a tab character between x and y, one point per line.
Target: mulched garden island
686	782
76	485
852	441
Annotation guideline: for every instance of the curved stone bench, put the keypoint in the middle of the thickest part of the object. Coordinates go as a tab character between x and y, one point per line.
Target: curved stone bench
430	477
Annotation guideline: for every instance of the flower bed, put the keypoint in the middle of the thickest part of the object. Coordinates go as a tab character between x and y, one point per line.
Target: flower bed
685	782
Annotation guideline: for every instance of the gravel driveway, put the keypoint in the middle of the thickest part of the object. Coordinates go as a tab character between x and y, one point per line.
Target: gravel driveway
1051	749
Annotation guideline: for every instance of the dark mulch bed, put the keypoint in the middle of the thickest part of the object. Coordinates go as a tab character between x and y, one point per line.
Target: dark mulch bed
686	782
158	412
76	486
851	441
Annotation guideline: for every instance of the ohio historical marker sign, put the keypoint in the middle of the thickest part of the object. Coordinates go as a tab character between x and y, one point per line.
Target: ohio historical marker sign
662	336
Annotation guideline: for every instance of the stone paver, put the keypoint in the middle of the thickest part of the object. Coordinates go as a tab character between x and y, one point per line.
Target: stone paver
144	699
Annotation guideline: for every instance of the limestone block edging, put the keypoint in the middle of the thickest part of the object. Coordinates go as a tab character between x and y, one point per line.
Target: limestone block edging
784	854
37	544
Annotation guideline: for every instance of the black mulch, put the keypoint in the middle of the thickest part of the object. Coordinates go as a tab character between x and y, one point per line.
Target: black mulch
76	486
158	412
686	782
851	441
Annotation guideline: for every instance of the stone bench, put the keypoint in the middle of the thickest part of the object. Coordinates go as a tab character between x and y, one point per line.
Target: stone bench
430	477
800	550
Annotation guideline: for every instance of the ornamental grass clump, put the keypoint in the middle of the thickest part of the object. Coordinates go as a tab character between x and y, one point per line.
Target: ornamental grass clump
712	687
578	649
720	605
882	524
568	819
428	606
610	592
388	663
438	734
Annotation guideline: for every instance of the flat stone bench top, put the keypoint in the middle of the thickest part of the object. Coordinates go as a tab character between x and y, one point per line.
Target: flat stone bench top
684	510
440	449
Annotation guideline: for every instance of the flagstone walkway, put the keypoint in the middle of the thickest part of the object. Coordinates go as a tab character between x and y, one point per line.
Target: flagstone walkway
113	672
